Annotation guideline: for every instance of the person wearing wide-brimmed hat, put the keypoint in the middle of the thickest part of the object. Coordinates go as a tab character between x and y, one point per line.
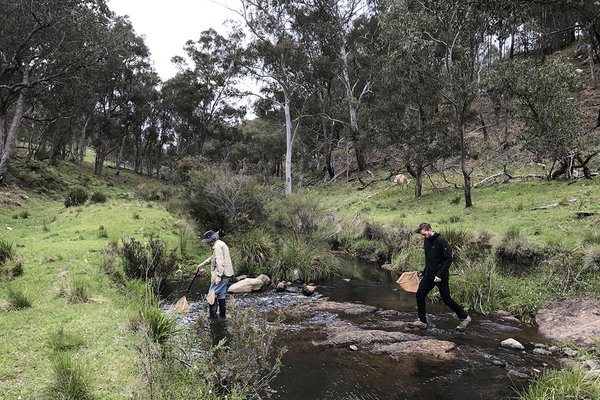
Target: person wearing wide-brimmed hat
438	258
221	271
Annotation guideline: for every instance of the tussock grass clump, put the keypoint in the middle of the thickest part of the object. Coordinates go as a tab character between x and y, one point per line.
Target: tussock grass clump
70	380
112	264
6	251
457	239
591	237
591	260
479	286
564	385
161	326
254	252
186	235
80	290
299	257
60	340
514	254
76	290
17	299
12	268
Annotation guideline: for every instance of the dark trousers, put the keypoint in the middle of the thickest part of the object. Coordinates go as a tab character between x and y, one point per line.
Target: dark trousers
425	287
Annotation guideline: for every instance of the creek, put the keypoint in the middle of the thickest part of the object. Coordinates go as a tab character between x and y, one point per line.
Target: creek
338	344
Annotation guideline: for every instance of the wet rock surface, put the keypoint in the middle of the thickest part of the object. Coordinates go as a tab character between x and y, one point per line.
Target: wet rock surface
575	320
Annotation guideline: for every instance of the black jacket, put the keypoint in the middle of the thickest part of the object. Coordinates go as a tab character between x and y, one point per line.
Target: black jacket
438	256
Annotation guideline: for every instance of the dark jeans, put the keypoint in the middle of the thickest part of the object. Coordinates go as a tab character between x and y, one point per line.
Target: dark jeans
425	287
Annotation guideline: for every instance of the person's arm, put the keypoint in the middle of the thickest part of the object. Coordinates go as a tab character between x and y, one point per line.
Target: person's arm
446	258
203	263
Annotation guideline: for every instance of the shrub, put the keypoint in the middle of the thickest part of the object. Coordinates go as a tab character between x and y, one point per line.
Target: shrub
60	340
220	199
148	192
76	196
70	380
24	214
97	197
371	250
249	351
102	232
150	261
17	299
299	213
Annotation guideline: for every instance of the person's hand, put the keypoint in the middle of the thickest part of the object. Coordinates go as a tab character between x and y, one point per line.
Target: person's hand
217	280
437	279
199	267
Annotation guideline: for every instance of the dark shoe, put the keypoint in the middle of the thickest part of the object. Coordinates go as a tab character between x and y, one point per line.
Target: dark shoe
222	308
418	324
463	324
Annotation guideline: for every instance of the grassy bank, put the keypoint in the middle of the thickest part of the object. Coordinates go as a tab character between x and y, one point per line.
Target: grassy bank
59	250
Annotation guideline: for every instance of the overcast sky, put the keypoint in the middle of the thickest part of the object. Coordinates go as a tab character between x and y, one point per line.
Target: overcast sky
168	24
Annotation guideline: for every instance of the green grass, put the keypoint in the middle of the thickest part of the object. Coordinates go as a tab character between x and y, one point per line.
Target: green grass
56	243
496	209
564	385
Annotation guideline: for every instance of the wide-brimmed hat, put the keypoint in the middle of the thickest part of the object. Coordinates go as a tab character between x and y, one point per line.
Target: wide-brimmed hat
209	236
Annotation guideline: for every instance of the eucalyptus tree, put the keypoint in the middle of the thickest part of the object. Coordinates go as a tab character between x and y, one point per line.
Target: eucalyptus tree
42	41
456	28
544	94
204	96
278	60
120	73
411	111
347	29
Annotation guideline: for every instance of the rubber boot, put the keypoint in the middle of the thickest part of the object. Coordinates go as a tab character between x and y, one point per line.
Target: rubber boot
212	310
222	308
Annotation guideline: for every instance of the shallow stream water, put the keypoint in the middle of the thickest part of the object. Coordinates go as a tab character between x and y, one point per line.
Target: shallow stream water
313	371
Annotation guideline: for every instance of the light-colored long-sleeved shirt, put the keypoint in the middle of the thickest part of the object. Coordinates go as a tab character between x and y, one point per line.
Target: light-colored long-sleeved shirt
220	261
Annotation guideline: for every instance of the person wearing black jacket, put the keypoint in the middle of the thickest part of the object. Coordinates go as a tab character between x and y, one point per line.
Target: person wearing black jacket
438	258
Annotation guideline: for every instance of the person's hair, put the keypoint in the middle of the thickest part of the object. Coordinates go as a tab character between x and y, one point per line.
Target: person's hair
423	226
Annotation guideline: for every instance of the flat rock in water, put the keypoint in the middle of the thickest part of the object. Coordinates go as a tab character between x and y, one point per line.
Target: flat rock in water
348	334
431	348
574	320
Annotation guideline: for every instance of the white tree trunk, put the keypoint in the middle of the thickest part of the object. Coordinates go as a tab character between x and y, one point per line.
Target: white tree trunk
289	142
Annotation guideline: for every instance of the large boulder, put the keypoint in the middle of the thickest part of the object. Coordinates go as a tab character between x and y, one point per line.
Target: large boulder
574	320
247	285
